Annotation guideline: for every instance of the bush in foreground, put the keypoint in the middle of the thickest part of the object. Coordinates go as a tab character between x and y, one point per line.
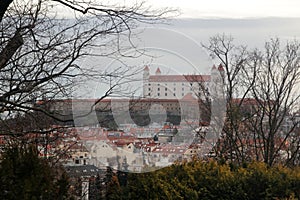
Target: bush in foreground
211	180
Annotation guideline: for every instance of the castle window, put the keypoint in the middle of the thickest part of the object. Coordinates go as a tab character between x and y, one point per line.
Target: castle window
158	94
158	89
166	94
166	89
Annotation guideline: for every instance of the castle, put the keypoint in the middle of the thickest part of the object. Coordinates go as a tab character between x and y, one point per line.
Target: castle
160	86
179	96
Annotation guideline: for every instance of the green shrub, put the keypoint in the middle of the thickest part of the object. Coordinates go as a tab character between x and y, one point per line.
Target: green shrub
212	180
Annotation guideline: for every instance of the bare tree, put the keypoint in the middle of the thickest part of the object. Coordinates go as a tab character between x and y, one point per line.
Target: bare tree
262	93
41	53
276	91
232	60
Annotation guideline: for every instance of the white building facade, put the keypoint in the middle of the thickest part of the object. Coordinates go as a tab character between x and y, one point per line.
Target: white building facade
161	86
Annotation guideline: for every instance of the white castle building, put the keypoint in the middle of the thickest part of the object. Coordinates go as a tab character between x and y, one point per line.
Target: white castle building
161	86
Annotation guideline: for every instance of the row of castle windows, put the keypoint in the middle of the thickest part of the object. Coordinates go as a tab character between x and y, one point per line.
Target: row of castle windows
174	89
166	89
166	94
158	84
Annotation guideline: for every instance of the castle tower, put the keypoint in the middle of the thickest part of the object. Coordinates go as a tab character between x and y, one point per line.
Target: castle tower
213	81
221	71
217	96
221	81
158	72
217	81
146	75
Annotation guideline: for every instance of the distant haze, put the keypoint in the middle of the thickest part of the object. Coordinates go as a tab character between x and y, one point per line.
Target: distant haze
225	9
184	36
176	48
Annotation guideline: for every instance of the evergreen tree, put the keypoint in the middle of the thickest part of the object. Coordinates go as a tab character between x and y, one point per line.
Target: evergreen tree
23	175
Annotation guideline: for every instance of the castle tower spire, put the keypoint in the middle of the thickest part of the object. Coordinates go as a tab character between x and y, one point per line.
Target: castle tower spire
146	73
158	72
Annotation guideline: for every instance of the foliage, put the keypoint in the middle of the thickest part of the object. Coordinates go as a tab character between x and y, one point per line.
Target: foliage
23	175
212	180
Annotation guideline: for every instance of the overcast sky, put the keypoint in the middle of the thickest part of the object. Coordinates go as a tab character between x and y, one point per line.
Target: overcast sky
176	48
231	8
250	23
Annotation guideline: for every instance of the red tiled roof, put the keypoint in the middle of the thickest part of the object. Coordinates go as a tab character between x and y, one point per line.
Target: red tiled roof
122	142
189	96
245	101
179	78
170	149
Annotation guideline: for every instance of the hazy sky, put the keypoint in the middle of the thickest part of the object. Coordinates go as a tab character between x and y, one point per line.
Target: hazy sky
218	8
231	8
176	48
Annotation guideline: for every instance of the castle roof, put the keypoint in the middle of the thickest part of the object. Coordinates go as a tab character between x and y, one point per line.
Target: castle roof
158	71
220	68
179	78
189	97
